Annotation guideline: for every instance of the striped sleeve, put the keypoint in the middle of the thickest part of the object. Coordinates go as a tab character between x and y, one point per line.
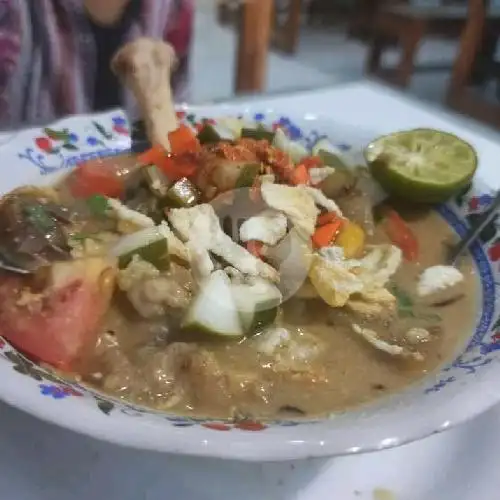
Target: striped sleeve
178	32
10	50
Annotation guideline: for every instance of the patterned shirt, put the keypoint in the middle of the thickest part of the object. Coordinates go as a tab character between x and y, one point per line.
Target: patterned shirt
48	55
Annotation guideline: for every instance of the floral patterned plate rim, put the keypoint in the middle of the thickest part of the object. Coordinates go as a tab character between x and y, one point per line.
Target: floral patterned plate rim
451	396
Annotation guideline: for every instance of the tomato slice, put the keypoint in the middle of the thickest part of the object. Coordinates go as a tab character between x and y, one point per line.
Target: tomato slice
102	176
401	235
60	326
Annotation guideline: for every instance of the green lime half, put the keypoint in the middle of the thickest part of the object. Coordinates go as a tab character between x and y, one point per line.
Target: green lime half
422	165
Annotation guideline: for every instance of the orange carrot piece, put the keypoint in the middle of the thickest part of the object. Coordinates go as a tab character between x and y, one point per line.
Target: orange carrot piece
325	235
312	162
152	156
326	218
300	175
183	140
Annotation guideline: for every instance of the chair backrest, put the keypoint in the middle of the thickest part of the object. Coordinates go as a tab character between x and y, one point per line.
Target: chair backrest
470	43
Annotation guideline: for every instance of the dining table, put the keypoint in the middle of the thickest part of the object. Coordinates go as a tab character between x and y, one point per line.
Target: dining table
40	461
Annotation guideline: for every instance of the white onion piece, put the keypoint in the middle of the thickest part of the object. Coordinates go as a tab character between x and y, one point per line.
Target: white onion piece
140	239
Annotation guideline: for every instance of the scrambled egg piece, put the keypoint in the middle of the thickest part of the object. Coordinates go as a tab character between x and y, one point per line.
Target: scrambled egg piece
200	227
321	200
394	350
269	227
440	284
379	265
336	279
129	216
374	304
296	203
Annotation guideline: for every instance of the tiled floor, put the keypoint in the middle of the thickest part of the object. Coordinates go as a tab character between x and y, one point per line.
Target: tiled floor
325	57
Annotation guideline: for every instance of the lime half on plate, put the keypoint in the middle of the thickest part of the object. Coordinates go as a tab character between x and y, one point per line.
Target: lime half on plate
422	165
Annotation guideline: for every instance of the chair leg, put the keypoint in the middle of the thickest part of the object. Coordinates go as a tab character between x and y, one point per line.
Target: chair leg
375	52
409	46
253	45
288	34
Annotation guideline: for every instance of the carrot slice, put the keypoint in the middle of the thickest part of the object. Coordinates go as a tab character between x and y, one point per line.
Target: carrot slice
183	140
325	235
312	162
300	175
401	235
326	218
153	156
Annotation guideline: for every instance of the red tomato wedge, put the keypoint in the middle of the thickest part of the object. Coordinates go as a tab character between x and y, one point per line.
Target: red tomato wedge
58	326
401	235
101	176
255	248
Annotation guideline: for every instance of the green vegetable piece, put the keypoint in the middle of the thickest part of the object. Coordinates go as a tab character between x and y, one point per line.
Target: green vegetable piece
208	135
39	217
264	317
183	194
155	253
247	176
82	236
98	205
330	159
213	309
157	181
260	133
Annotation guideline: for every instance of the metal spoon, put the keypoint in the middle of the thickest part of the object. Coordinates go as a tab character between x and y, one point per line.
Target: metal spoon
474	232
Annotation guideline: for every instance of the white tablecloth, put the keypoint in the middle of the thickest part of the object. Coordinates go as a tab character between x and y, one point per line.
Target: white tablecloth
39	461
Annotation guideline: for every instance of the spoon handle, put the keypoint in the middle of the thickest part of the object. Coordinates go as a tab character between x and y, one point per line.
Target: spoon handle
474	231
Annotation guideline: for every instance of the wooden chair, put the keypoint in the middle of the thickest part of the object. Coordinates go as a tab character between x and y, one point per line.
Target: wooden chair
254	35
461	95
285	22
408	24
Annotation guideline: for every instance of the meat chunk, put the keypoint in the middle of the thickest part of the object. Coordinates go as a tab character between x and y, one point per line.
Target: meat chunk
151	292
439	285
200	227
291	350
417	335
146	66
204	379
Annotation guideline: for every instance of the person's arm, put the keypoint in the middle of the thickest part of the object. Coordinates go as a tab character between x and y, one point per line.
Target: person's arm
105	11
10	54
178	32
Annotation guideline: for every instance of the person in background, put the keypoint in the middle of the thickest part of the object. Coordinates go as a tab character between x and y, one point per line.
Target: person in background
55	54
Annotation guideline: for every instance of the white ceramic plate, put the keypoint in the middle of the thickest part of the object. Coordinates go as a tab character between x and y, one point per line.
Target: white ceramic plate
457	393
